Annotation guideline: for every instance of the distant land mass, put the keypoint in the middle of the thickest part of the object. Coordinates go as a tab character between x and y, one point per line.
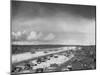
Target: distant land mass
27	48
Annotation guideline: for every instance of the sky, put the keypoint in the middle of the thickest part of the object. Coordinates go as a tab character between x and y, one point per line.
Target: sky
51	23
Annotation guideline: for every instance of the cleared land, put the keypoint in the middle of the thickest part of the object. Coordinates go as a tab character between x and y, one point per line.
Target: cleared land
52	58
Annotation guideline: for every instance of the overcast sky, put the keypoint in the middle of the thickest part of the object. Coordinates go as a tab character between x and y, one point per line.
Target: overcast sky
49	23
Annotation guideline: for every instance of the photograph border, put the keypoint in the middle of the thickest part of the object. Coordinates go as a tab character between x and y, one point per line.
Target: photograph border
51	3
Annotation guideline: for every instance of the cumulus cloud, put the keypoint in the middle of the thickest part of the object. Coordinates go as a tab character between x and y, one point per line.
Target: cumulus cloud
50	36
16	35
32	36
40	36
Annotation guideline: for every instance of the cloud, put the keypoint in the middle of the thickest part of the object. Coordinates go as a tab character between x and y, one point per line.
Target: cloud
50	36
40	36
16	35
42	23
61	22
32	36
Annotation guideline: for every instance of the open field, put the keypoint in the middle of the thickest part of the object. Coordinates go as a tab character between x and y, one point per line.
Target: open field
52	58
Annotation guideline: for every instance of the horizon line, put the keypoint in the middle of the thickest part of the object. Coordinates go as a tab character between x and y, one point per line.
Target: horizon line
31	43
